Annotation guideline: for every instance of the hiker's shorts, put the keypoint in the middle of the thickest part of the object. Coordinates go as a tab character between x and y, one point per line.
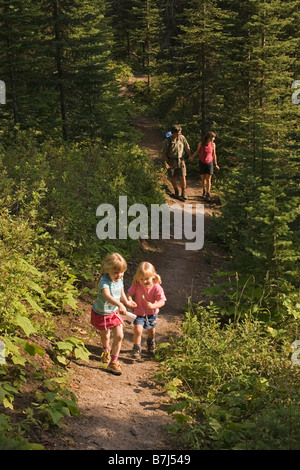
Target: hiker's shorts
173	172
148	322
106	322
206	168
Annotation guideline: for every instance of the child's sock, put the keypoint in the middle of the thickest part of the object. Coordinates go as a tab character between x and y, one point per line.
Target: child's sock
113	358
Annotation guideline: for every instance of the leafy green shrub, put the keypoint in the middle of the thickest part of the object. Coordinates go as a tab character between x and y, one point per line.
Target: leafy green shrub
12	439
51	399
258	225
228	382
70	348
57	189
33	279
35	284
55	403
238	295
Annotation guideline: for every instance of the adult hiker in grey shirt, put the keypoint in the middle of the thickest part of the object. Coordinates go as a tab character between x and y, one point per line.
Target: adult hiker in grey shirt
173	150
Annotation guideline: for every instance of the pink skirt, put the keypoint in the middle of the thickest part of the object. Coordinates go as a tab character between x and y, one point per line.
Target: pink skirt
106	322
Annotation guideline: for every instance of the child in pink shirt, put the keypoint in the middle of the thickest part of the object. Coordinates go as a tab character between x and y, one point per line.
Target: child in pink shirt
149	297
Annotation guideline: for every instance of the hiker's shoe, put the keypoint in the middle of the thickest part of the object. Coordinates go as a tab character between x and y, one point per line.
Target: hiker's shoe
105	357
183	194
207	197
151	345
137	352
204	193
114	367
176	192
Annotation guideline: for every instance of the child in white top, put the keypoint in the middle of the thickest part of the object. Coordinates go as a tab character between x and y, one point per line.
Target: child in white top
149	298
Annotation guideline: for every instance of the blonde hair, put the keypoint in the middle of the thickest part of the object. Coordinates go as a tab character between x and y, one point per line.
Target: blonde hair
148	270
114	262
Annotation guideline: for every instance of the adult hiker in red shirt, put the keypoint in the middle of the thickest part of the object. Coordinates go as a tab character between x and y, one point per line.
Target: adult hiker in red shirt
207	159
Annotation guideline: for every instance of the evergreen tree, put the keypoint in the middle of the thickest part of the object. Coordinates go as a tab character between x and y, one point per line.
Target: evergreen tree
200	61
92	73
171	14
23	66
59	20
257	79
56	62
146	33
119	15
137	24
193	49
80	41
261	201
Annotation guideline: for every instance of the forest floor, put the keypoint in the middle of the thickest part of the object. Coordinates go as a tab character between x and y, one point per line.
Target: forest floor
129	412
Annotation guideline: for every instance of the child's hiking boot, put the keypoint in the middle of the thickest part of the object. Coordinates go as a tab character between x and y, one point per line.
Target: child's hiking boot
114	367
204	193
105	356
207	197
176	192
151	346
183	194
137	352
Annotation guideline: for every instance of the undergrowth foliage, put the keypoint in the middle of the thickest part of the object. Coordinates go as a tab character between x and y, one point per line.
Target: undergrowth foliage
233	385
59	187
35	285
49	193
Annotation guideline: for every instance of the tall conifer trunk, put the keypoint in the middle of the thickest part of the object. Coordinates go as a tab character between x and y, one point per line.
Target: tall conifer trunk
203	82
60	72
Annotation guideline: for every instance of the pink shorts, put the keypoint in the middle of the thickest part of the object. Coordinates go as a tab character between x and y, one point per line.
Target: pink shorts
106	322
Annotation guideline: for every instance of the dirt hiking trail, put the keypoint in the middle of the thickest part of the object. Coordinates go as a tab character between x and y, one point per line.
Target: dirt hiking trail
129	412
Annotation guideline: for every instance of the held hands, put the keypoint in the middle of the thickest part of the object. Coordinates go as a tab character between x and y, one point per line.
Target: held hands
122	309
131	304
